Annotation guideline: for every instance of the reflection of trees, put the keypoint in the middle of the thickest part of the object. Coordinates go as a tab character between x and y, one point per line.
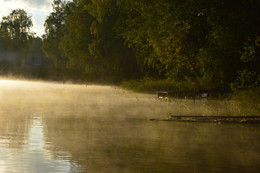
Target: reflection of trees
14	129
112	145
134	145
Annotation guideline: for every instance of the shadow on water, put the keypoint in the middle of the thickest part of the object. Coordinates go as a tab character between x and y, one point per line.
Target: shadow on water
71	128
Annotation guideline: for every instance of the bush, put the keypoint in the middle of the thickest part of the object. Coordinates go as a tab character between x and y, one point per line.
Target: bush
247	101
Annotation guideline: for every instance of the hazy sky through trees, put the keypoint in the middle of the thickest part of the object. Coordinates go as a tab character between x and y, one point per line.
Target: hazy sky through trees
38	9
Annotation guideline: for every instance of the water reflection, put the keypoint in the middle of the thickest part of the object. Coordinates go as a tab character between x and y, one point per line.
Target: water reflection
27	153
112	145
47	127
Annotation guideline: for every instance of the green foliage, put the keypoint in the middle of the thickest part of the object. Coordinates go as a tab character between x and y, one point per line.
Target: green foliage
152	86
195	40
247	79
20	50
80	39
247	101
76	36
248	54
148	86
15	32
15	40
208	44
16	26
53	33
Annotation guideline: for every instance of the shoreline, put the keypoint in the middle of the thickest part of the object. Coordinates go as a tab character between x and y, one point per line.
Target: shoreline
213	119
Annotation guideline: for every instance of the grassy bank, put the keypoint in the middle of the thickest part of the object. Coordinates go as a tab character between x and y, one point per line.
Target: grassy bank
151	86
247	101
240	102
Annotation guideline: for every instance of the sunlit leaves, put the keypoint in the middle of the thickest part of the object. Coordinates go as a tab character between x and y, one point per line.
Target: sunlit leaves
17	25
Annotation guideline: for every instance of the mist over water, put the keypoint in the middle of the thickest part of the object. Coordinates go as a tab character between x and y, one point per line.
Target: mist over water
53	127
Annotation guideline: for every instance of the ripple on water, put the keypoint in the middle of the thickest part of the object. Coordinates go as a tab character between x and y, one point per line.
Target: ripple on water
23	153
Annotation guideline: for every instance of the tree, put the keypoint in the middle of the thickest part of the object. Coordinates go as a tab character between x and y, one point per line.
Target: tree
15	37
197	41
206	44
16	26
76	37
107	44
80	38
53	33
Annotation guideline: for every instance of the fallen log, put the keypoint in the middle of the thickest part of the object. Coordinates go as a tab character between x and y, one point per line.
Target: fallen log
214	119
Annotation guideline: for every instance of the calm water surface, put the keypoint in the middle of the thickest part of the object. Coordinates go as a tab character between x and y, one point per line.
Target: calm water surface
56	128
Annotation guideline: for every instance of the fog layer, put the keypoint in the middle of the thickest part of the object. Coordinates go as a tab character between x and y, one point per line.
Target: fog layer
53	127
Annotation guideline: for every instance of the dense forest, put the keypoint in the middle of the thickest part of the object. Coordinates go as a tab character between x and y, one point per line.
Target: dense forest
195	43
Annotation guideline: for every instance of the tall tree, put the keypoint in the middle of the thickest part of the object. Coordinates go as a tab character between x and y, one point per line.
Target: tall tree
107	44
16	26
75	40
53	33
15	36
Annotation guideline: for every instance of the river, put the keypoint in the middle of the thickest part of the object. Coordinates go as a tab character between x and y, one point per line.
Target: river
64	128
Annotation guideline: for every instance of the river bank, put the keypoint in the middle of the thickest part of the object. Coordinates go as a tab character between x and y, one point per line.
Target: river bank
236	102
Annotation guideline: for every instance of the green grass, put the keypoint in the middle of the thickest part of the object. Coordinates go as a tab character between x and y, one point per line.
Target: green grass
240	102
247	101
151	86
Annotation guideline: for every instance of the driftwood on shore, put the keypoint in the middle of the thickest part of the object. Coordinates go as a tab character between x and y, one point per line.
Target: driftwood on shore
215	119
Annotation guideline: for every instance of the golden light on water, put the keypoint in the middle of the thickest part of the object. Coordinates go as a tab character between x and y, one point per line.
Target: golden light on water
3	81
30	150
7	82
56	127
